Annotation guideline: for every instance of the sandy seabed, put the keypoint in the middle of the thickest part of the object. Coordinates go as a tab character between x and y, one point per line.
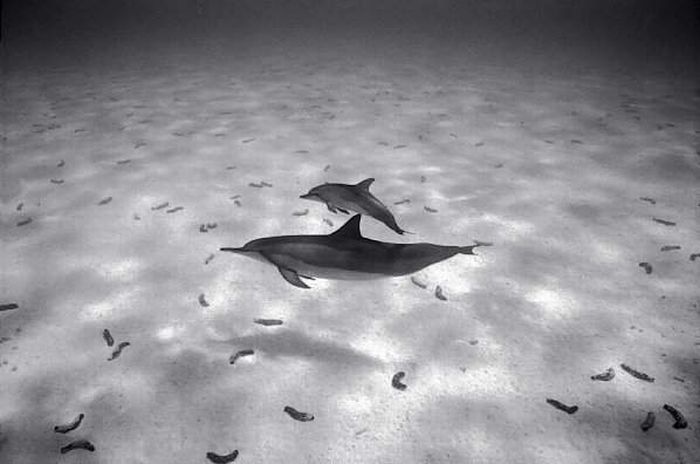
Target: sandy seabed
112	172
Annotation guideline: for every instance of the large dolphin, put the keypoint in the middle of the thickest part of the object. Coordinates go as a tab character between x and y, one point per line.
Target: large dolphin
345	254
357	198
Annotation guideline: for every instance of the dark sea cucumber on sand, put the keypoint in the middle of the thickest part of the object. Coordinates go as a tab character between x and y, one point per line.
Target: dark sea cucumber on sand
253	184
328	221
636	374
562	407
680	423
300	213
396	381
646	266
57	181
124	161
175	209
76	445
418	283
663	221
268	322
670	247
72	425
222	458
648	421
298	415
116	353
606	376
648	200
239	354
694	256
208	259
439	295
401	202
160	206
104	201
202	301
429	209
108	337
24	222
8	306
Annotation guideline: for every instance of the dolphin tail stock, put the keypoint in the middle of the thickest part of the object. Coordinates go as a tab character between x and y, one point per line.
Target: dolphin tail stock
469	250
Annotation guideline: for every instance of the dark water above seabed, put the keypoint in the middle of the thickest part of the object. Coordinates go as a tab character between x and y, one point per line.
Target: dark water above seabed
140	140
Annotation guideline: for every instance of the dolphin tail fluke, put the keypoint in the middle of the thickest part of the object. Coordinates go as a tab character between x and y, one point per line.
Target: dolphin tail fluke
292	277
469	250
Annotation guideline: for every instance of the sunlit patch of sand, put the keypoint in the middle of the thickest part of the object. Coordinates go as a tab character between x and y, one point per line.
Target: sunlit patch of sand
553	305
123	271
375	342
115	304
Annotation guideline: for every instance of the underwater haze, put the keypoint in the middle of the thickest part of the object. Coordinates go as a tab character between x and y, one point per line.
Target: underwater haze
141	137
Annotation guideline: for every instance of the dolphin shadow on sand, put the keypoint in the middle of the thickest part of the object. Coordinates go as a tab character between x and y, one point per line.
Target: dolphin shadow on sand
345	254
357	198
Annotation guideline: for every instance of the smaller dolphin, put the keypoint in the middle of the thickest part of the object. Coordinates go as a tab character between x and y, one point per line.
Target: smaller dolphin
345	254
357	198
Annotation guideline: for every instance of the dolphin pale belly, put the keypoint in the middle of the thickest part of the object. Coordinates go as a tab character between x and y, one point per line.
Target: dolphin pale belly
345	254
357	198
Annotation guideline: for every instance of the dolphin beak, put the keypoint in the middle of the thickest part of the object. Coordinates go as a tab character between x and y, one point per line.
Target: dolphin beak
233	250
305	196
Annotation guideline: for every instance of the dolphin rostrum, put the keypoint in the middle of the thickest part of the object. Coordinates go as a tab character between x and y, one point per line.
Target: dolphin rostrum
357	198
345	254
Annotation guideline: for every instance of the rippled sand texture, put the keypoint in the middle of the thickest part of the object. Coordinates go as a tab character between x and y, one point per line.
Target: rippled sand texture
134	174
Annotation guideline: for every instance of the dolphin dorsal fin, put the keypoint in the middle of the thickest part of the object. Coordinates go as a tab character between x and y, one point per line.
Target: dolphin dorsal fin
350	229
365	183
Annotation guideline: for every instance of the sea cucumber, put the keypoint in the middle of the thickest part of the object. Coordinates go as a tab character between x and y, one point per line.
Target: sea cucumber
670	247
124	161
680	423
606	376
401	202
396	381
202	300
648	200
648	422
116	353
268	322
300	213
664	222
104	201
562	407
57	181
72	425
439	295
160	206
694	256
108	337
239	354
222	458
175	209
24	222
78	444
418	283
8	306
636	374
646	266
429	209
209	258
298	415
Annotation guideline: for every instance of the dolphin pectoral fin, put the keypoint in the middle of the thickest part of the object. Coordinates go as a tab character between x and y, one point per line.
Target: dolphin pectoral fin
343	210
331	208
292	277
